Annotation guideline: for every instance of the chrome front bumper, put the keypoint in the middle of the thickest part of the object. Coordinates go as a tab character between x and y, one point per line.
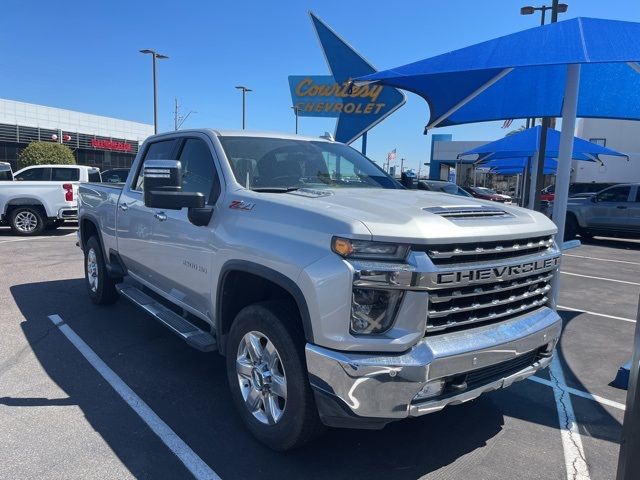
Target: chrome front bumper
368	386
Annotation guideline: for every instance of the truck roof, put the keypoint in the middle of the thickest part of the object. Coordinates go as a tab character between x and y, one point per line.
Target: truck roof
250	133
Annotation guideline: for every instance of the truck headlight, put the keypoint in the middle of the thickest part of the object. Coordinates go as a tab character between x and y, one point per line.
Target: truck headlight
365	249
373	310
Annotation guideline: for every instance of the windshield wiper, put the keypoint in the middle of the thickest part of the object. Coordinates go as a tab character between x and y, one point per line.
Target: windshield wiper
275	189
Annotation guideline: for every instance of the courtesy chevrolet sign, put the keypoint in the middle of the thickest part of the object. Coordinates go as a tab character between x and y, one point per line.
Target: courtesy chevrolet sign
322	96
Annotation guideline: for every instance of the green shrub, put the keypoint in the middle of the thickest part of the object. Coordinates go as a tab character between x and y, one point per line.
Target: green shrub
41	153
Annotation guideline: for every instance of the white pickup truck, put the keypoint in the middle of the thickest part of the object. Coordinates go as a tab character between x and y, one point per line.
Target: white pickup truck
42	196
336	295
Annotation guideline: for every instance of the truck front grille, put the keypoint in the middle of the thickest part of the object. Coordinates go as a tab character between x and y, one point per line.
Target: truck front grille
462	306
445	255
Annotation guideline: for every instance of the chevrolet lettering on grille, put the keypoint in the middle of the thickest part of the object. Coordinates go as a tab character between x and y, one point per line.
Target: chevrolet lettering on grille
498	273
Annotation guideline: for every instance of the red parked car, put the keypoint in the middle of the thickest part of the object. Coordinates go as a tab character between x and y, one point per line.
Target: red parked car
486	194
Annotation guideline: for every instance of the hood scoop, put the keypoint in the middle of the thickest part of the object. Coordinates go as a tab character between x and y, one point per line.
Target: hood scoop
465	212
311	193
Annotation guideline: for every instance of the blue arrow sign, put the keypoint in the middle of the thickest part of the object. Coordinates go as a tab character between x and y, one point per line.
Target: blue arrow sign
358	108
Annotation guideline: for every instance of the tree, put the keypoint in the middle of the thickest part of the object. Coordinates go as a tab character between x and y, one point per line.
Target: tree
39	153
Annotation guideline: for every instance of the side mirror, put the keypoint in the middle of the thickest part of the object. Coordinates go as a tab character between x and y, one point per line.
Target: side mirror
594	199
163	186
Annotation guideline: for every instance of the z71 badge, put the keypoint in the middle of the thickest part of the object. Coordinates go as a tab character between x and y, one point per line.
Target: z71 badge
241	205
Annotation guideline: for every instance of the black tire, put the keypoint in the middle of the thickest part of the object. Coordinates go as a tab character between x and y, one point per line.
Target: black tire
571	228
103	291
586	235
27	221
54	224
280	324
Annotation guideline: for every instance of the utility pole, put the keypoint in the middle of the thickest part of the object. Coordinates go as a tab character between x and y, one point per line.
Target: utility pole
178	119
401	165
296	112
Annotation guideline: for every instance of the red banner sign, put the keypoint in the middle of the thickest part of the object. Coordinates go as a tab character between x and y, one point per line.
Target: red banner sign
111	145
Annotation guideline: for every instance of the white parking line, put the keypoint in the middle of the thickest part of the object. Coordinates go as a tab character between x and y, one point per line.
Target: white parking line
574	458
581	393
600	278
24	239
600	259
180	449
630	320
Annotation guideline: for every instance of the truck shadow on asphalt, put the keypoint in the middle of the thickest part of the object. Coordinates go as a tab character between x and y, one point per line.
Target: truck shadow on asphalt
188	390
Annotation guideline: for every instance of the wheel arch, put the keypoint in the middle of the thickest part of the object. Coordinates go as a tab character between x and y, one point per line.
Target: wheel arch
273	281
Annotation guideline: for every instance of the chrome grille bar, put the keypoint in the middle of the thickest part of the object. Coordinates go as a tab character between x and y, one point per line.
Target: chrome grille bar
487	289
490	316
516	246
493	303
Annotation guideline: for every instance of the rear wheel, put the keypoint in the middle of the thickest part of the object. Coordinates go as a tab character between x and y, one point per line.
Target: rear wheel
570	228
100	286
26	221
268	377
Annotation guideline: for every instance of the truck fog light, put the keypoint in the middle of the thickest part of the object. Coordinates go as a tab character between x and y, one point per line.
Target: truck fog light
430	389
373	310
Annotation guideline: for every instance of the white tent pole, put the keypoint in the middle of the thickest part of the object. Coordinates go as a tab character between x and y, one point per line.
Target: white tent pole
565	153
533	161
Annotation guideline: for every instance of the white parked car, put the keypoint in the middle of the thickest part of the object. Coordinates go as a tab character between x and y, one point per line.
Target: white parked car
42	196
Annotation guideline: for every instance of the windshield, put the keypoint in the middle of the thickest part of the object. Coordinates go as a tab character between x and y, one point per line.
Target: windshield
278	164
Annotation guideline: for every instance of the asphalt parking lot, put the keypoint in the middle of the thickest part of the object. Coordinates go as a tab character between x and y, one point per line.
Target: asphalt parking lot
60	418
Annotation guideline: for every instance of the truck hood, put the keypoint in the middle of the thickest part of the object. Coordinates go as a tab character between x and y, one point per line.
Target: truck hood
418	216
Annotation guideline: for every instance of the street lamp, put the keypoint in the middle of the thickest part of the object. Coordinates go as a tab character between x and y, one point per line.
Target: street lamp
296	112
244	93
154	56
555	9
534	196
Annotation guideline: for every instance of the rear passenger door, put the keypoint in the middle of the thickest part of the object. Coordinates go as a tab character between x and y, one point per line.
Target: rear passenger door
176	255
610	208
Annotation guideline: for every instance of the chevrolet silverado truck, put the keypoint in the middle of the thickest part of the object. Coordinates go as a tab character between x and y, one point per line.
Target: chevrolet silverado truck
338	297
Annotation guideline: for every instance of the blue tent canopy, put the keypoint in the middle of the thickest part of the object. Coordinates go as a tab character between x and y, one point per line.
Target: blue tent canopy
501	75
526	142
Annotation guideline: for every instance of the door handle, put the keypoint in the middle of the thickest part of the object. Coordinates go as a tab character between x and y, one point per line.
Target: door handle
123	206
621	207
161	216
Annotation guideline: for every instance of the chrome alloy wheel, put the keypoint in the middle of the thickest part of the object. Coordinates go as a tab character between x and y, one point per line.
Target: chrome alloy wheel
92	270
261	377
25	221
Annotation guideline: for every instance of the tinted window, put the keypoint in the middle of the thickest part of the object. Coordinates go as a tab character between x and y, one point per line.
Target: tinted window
614	194
94	176
198	170
115	176
5	175
35	175
65	174
638	194
156	151
281	164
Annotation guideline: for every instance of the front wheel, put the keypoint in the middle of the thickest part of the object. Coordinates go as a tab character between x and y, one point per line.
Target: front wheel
268	377
100	286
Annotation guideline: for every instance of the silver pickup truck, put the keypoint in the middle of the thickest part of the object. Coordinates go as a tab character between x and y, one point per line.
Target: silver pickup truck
338	297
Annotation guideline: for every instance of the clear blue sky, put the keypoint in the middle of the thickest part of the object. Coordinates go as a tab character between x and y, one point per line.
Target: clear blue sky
83	55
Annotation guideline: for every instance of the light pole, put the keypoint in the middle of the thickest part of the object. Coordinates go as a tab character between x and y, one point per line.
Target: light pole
244	93
296	112
538	175
154	55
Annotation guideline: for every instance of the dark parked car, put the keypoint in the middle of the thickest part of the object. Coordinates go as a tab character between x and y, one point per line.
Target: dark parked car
115	175
442	186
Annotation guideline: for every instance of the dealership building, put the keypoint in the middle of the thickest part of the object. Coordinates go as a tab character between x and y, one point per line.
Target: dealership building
98	141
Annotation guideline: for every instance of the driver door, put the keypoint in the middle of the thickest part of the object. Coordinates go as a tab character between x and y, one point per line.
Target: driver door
609	208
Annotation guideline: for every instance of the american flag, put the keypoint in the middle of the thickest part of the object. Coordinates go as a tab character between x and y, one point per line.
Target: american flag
507	123
391	156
